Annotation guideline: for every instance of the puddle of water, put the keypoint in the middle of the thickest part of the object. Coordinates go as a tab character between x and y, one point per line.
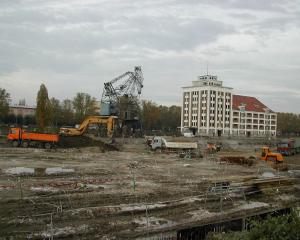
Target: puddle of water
44	189
37	171
19	170
56	170
268	175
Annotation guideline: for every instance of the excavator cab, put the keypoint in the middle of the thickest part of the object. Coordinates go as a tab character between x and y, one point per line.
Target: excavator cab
264	152
267	155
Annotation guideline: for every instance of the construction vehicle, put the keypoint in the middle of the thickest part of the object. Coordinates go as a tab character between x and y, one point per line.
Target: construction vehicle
20	137
108	120
288	147
267	155
161	144
213	147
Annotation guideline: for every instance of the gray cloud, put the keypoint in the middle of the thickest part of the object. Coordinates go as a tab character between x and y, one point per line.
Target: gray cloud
78	45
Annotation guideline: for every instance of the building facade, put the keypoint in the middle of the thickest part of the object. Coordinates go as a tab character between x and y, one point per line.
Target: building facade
209	108
206	107
252	118
20	110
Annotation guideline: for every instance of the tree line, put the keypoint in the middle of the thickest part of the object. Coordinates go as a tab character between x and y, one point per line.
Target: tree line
50	111
288	123
153	117
68	112
159	118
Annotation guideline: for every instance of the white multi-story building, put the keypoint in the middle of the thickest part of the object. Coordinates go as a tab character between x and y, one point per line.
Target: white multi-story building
252	118
209	108
206	107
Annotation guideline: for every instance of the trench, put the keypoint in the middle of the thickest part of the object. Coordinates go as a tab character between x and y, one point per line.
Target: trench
200	232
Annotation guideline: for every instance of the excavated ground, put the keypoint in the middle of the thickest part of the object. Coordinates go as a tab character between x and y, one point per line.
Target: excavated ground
86	193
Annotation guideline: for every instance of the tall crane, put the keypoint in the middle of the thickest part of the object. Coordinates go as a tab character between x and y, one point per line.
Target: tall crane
120	95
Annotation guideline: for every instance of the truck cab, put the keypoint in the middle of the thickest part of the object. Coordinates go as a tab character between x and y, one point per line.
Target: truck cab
157	143
14	136
288	147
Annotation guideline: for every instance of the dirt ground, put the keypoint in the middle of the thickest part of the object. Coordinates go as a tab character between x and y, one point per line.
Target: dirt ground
85	193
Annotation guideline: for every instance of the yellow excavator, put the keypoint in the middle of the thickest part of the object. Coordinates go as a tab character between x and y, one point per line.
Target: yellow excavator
267	155
110	122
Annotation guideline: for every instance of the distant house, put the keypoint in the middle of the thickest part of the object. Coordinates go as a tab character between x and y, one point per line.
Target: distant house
20	110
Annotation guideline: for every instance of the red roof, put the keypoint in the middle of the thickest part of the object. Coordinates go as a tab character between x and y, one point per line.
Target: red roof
251	103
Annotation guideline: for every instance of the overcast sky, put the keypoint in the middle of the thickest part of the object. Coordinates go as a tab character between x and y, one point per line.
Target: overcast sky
77	45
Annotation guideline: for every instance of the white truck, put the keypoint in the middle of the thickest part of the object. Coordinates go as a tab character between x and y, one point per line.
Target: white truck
160	143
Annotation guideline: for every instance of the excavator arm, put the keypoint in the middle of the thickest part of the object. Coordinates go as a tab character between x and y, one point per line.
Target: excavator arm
109	121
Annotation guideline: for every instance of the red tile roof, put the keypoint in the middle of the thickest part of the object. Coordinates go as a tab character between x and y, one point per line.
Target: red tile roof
251	103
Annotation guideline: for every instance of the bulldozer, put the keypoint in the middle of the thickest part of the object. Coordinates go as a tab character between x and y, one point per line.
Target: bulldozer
268	155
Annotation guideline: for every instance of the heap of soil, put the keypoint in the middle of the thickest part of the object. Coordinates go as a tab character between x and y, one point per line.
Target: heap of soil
84	141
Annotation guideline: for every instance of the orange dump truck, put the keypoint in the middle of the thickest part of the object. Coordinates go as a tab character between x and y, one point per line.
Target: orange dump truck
20	137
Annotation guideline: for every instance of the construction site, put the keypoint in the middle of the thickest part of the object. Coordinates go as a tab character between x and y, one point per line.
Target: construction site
78	185
135	193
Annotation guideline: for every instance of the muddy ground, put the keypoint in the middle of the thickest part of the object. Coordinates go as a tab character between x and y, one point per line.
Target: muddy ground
85	193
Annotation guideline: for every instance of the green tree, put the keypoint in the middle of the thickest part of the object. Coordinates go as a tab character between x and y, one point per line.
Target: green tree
11	118
84	105
150	115
163	118
55	111
29	120
288	123
67	113
285	227
43	108
4	104
19	119
174	118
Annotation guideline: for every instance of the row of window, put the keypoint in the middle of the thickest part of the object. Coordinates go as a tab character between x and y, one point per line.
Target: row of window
253	115
236	126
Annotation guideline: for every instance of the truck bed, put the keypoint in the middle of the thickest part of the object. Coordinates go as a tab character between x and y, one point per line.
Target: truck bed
181	145
40	137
